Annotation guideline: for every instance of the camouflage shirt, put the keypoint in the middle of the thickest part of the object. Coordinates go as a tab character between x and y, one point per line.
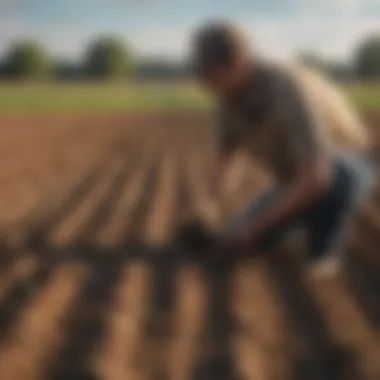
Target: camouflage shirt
284	116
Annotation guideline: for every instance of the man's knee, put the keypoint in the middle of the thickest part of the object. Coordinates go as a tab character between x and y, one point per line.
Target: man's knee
359	178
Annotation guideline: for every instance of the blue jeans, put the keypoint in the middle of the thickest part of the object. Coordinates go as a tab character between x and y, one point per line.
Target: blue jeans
325	219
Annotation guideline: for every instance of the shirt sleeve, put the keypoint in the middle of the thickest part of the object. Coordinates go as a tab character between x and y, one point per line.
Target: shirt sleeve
303	127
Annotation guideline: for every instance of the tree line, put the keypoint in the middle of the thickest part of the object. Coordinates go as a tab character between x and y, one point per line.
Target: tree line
108	58
105	58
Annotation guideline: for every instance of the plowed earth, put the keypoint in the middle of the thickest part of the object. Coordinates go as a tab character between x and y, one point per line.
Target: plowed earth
90	288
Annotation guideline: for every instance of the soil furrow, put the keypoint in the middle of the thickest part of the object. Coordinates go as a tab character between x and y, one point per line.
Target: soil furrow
24	357
85	325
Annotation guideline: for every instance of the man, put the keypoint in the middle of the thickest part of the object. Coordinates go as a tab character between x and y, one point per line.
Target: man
299	127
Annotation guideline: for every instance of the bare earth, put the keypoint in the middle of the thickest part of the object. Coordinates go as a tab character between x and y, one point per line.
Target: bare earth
89	288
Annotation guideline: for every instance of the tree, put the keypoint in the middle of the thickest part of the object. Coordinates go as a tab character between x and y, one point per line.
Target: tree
311	60
159	68
339	71
3	69
107	58
26	59
367	58
65	70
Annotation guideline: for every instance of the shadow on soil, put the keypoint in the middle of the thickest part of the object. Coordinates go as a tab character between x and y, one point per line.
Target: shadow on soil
84	327
85	324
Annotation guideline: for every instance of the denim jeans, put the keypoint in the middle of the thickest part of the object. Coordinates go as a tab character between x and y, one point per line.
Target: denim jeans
325	219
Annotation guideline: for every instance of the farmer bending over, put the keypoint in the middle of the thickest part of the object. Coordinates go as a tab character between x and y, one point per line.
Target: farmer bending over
297	126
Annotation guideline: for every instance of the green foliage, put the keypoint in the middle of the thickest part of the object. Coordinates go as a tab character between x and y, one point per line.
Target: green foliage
160	69
311	60
27	60
107	58
367	59
338	71
67	71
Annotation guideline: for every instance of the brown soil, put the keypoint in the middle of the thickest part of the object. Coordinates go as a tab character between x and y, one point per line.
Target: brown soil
90	289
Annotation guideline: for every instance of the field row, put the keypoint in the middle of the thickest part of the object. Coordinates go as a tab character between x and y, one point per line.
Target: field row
91	288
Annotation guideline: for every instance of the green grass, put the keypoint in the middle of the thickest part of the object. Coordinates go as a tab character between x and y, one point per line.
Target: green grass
100	98
366	97
132	97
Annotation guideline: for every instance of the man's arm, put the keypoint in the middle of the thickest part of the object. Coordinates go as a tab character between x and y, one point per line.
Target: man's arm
310	158
225	143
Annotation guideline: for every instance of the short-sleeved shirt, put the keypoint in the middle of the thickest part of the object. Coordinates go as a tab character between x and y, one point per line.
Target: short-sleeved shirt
286	115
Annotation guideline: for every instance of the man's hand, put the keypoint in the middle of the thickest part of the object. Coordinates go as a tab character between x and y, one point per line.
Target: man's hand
208	210
227	248
239	240
242	240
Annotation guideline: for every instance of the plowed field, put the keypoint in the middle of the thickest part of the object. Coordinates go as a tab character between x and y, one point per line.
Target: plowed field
91	289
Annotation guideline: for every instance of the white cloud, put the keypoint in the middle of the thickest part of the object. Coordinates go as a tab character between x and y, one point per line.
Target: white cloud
342	5
332	36
160	41
335	37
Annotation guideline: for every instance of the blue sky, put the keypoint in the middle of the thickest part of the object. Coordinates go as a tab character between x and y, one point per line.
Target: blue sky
162	27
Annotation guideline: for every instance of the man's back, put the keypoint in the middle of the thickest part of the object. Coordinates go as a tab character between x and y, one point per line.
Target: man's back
342	125
254	117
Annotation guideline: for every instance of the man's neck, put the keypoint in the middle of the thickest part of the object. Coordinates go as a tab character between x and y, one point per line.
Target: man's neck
242	81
